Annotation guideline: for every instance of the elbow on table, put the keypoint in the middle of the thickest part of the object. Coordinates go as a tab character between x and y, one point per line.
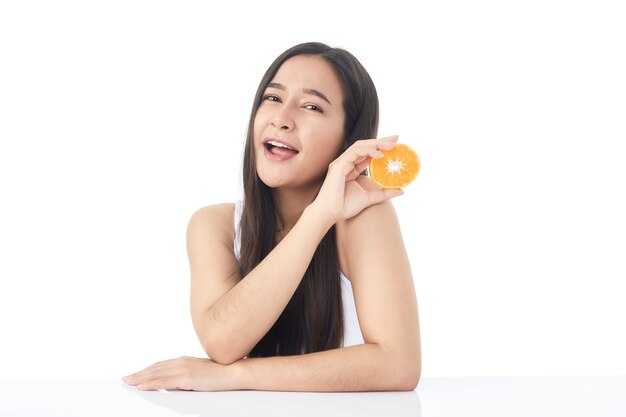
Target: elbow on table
410	381
408	370
221	352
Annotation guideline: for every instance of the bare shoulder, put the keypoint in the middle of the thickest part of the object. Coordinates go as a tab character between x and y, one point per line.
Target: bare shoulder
210	238
212	262
215	219
213	266
214	212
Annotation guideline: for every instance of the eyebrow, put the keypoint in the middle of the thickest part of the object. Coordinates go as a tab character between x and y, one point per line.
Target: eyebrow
305	90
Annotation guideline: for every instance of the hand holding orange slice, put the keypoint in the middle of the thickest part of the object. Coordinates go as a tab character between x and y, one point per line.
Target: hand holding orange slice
397	168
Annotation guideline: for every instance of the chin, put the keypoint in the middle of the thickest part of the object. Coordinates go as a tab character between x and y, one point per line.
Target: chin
270	181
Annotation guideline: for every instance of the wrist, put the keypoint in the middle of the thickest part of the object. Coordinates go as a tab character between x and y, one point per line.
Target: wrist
242	375
320	215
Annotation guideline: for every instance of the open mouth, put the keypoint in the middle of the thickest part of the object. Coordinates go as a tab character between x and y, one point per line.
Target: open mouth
279	151
270	145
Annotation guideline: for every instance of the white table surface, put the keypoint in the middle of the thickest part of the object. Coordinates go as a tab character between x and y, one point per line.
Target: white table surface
597	396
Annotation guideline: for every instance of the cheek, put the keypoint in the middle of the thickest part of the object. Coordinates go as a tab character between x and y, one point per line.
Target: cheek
334	141
329	151
330	130
261	117
256	124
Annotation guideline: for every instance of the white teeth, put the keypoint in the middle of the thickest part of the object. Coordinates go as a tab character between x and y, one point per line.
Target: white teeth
274	143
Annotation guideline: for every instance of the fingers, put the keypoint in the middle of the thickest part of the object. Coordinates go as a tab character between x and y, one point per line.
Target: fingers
362	165
359	154
369	148
172	373
139	377
154	379
386	142
160	383
144	375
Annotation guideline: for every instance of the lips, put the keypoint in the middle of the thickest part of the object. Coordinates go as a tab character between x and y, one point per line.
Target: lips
278	150
270	143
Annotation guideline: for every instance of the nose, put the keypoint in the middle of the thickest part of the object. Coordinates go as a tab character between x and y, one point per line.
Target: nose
281	120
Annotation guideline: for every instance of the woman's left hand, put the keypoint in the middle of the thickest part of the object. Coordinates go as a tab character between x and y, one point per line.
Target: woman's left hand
186	373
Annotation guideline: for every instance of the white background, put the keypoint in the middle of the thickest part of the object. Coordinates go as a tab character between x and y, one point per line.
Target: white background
119	119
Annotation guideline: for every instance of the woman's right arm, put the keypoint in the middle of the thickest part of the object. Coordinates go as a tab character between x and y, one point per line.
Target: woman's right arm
230	314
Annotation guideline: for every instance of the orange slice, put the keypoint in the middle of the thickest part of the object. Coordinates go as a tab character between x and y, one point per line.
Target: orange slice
396	169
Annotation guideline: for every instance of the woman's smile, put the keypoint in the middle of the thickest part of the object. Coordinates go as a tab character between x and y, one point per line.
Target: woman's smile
278	153
279	149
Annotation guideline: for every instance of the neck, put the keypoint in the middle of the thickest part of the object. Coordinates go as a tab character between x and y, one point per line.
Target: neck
291	203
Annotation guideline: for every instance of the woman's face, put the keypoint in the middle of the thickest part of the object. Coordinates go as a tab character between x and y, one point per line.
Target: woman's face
302	109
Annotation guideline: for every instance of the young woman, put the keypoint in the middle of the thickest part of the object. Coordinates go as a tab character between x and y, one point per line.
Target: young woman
305	284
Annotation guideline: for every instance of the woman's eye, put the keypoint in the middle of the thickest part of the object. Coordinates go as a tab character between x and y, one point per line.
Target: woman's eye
271	97
308	106
314	107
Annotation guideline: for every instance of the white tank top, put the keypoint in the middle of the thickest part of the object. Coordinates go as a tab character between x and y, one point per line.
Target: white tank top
352	331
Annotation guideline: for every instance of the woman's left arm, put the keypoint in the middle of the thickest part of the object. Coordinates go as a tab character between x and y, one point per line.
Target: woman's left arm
390	358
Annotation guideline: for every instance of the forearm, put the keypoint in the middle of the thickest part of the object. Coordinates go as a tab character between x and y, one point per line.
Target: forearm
240	318
365	367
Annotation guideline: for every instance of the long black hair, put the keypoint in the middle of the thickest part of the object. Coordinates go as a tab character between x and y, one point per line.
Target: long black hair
312	321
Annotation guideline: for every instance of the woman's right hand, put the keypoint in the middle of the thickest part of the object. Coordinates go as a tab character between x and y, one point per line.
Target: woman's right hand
344	193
